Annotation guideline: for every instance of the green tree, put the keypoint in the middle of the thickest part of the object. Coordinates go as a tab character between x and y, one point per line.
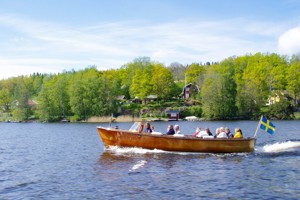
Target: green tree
293	80
107	100
114	78
256	85
77	99
178	71
276	72
92	94
210	95
47	111
24	94
219	92
129	76
195	74
282	109
295	58
5	100
243	101
163	82
37	82
135	89
82	92
60	96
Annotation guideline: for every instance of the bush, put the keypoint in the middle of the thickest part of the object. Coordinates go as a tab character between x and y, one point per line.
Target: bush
190	111
75	118
282	110
297	115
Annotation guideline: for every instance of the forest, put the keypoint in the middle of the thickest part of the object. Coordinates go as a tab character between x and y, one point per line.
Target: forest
238	87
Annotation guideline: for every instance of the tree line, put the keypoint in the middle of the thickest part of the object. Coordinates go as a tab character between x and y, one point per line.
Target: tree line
237	87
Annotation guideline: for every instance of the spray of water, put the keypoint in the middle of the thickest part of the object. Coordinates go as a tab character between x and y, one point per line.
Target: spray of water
278	147
132	150
138	165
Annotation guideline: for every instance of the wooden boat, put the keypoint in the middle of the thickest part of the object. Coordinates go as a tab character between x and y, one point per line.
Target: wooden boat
134	138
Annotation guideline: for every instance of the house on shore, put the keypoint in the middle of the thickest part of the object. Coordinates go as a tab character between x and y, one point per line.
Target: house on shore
173	115
189	90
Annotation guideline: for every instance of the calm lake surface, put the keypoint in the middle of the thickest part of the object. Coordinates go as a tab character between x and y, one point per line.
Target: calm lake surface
69	161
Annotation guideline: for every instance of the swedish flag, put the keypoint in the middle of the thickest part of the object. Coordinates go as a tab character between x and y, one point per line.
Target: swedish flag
267	126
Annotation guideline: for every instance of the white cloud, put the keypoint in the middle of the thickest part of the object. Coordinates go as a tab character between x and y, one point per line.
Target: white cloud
27	66
289	41
47	46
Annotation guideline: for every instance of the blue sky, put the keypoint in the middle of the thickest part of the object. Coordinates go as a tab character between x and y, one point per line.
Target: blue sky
49	36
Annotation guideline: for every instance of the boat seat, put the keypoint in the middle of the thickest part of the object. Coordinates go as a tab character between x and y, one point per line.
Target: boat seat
178	135
156	133
208	137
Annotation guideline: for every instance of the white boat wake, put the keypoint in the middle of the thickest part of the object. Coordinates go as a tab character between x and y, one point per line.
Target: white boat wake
135	150
278	147
138	165
288	146
132	150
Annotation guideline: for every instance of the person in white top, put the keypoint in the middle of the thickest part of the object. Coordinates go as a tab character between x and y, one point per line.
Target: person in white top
217	132
222	133
177	131
155	132
197	131
202	134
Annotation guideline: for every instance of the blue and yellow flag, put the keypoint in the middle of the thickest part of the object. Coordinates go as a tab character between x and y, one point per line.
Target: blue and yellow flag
267	126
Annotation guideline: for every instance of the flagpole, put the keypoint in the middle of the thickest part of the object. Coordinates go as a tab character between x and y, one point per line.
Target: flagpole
255	134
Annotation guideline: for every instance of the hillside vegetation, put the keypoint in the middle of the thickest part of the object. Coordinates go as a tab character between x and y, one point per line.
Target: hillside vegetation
235	88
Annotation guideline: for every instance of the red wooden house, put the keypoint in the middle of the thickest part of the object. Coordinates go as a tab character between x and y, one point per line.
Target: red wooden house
173	115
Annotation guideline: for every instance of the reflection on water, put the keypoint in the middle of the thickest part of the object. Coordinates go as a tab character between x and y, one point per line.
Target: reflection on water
108	158
135	159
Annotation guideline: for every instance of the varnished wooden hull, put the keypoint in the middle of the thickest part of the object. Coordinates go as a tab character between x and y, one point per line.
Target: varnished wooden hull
123	138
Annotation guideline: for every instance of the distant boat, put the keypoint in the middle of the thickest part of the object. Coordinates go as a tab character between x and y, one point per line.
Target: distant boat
65	120
9	121
187	143
192	118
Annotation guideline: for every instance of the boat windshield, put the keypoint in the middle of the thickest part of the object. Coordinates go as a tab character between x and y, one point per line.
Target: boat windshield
134	127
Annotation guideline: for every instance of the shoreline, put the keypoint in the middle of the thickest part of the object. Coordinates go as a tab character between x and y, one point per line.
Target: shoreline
121	118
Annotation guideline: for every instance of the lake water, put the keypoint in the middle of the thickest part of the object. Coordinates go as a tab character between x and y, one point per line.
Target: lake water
69	161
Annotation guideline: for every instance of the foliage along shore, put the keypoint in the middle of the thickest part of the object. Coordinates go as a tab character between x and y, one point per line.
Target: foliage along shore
235	88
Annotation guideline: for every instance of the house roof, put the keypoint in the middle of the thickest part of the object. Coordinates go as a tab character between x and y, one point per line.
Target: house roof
121	97
32	102
173	111
188	85
153	96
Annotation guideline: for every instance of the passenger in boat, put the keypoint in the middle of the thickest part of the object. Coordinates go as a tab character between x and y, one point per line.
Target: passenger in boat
208	132
197	131
170	130
238	133
154	132
202	134
217	132
229	134
222	133
148	128
140	127
177	131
